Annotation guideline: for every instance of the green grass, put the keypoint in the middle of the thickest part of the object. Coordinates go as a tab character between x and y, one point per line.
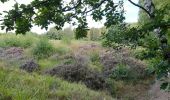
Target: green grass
17	85
43	49
95	61
61	50
47	63
13	40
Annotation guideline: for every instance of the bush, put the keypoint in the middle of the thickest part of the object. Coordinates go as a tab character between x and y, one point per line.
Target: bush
95	61
54	34
125	72
81	32
43	49
66	35
115	34
121	72
146	54
12	40
78	71
94	34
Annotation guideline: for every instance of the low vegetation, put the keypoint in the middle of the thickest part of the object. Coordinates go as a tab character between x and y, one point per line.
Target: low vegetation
35	67
43	49
19	85
13	40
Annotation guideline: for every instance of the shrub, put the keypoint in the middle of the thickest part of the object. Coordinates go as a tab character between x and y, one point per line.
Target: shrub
78	71
121	72
30	66
81	32
115	34
54	34
12	40
95	61
94	34
43	49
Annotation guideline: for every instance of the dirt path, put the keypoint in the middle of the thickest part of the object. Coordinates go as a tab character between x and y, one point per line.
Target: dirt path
157	94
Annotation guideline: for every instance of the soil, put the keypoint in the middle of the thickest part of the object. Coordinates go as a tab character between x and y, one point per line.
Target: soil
157	94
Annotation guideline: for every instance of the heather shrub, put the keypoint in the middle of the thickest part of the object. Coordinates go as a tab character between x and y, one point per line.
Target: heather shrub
78	71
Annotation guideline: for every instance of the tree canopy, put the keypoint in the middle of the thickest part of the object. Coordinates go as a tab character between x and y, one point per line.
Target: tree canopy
45	12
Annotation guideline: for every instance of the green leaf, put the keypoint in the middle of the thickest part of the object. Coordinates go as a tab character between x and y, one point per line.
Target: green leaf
164	86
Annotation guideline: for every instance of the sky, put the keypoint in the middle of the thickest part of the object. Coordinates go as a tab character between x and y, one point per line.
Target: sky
131	14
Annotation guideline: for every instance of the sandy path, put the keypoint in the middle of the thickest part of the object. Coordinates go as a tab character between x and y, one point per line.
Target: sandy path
157	94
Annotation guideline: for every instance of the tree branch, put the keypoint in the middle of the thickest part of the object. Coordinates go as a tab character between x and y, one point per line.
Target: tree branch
97	6
150	15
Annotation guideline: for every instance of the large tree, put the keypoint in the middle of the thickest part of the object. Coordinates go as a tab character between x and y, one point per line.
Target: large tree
159	4
45	12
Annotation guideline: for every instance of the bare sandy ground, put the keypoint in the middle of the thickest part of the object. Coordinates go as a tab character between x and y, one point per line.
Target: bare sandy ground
157	94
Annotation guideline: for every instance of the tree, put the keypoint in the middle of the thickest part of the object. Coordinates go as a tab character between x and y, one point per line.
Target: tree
116	34
59	12
143	18
54	34
160	23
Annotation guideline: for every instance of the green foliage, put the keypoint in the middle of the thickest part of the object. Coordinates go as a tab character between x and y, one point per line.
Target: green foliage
146	54
47	63
4	1
44	12
22	16
43	49
144	18
111	86
121	72
115	35
54	34
66	40
151	44
61	50
81	32
165	86
128	73
150	41
12	40
95	61
152	65
162	69
94	57
94	34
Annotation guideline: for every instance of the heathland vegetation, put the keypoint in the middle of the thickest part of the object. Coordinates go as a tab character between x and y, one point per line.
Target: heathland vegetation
124	61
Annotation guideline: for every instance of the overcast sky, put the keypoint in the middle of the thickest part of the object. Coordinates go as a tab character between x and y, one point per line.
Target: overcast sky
131	14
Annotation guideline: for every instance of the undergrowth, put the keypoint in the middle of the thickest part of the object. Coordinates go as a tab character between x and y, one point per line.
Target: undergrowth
17	85
13	40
